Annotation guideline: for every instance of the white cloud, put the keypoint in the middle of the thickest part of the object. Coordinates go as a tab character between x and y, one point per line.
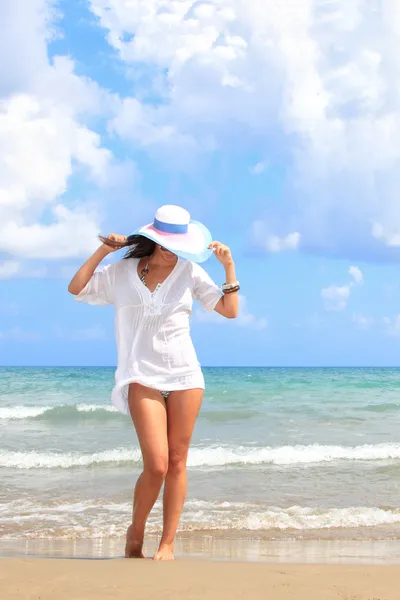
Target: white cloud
357	275
44	140
336	297
73	234
85	334
273	243
363	322
247	319
244	318
277	244
145	126
30	22
388	236
12	268
308	76
392	325
258	168
39	144
9	269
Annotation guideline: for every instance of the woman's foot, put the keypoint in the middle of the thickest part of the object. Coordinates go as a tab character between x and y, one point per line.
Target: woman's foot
133	547
165	552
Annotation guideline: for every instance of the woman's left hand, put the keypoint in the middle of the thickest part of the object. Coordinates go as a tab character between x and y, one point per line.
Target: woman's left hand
222	253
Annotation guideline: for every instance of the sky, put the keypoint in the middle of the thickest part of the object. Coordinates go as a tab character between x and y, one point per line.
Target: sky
276	124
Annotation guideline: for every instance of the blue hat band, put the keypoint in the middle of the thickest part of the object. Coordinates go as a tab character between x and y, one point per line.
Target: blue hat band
169	227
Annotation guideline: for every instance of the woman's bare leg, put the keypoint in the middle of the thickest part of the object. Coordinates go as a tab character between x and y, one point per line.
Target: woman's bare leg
149	415
182	410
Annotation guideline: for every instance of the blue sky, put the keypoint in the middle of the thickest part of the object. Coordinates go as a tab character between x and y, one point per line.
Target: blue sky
276	127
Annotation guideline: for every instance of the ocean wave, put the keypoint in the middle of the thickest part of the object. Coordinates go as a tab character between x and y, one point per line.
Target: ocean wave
62	413
50	460
209	457
300	518
96	407
95	519
291	455
55	413
22	412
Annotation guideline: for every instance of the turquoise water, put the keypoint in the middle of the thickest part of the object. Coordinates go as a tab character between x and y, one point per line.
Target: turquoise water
278	453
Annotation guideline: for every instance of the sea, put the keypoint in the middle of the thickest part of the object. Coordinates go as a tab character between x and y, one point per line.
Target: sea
277	454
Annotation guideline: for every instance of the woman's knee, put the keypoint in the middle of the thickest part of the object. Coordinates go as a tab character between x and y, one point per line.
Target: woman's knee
157	468
177	458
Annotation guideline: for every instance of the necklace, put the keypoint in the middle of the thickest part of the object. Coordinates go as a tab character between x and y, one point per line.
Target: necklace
143	273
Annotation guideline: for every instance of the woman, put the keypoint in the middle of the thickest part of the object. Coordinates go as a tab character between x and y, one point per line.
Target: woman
159	380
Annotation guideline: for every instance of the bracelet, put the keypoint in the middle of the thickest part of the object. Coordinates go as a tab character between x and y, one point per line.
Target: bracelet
229	286
230	289
236	289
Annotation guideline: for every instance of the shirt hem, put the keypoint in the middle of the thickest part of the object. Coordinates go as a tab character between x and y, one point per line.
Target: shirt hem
119	396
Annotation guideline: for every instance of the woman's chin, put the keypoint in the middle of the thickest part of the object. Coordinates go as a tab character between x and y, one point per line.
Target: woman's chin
169	257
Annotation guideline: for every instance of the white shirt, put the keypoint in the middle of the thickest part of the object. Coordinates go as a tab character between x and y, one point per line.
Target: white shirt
152	329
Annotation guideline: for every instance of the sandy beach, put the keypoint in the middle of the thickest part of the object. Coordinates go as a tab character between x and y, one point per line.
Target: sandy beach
45	579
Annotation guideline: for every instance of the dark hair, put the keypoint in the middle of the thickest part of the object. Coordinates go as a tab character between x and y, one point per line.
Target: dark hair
138	245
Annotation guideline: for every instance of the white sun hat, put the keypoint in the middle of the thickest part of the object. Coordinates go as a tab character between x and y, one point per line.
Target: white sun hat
174	230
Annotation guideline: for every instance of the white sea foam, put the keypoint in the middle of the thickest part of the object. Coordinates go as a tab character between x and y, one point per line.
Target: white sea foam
12	413
209	457
22	412
290	455
41	460
95	407
94	518
300	518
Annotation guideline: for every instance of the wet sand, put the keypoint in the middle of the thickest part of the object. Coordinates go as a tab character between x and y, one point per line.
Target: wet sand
227	547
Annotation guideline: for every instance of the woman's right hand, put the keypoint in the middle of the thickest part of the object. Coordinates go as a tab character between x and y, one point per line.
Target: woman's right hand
111	243
118	242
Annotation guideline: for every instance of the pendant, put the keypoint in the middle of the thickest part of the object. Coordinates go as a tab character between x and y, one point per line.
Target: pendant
143	274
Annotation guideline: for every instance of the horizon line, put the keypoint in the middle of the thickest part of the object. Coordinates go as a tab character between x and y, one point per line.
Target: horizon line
210	366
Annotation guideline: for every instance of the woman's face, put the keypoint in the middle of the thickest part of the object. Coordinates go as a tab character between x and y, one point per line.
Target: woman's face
166	255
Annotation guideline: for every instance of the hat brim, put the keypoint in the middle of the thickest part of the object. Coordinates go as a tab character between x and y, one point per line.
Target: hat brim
192	245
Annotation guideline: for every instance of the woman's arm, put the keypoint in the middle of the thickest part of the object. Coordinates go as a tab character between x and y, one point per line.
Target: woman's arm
228	306
85	273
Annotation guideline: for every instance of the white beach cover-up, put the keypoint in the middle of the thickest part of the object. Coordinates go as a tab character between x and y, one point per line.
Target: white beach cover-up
153	329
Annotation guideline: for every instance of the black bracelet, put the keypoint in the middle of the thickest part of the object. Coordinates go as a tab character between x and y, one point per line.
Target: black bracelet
232	290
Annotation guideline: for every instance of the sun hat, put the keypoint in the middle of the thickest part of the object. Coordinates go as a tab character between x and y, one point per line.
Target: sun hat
174	230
